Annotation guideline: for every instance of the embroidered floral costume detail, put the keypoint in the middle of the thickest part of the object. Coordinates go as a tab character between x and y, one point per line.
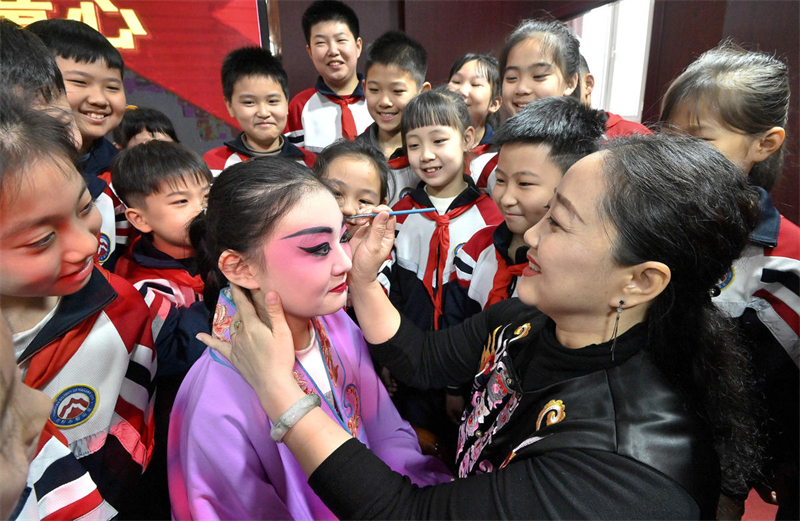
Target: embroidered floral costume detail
222	322
493	402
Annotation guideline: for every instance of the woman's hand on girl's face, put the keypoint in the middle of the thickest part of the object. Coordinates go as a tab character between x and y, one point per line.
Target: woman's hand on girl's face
263	355
371	245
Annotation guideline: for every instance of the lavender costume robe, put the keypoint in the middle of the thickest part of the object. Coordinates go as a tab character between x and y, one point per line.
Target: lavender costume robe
223	464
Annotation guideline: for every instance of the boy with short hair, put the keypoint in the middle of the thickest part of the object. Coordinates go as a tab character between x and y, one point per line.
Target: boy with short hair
536	147
395	73
92	70
335	107
164	185
256	91
142	124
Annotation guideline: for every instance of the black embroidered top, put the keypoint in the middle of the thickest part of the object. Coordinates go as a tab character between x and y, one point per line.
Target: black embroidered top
550	432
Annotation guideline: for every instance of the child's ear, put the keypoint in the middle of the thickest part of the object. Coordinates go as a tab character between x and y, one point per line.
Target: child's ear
767	144
469	138
359	46
138	220
425	87
308	50
646	281
229	106
236	269
495	105
571	85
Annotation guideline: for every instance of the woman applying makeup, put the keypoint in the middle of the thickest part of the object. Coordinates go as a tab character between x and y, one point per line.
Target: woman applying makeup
628	400
271	225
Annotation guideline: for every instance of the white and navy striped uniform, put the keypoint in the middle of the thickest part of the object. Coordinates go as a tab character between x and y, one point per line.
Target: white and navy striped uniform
174	293
476	266
58	487
235	151
95	359
315	118
403	273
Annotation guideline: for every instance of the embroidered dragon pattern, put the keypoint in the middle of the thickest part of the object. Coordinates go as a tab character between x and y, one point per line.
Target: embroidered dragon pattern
493	402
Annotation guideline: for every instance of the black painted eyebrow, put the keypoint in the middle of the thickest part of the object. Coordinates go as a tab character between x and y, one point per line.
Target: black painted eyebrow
316	230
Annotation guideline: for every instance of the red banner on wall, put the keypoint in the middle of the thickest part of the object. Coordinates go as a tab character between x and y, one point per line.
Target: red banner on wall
177	44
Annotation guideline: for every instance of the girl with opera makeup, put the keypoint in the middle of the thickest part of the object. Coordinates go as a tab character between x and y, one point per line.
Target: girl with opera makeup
271	225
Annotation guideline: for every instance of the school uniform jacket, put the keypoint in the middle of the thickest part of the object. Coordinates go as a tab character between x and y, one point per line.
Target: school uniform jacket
482	267
616	126
148	268
318	116
114	227
482	169
95	359
762	291
234	151
421	263
402	178
174	293
58	487
223	463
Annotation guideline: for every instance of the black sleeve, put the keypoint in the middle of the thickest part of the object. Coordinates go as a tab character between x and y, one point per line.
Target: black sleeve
449	357
567	484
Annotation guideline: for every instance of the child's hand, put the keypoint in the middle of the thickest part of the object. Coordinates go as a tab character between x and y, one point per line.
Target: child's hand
371	245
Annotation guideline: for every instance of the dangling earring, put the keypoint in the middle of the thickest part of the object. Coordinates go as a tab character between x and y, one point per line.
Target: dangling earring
616	327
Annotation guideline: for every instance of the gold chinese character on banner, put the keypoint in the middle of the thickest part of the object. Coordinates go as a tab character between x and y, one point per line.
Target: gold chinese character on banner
87	13
24	12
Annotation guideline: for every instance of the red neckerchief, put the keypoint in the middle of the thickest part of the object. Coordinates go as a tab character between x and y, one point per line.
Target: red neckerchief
127	266
398	162
348	123
437	254
179	276
481	149
502	278
488	168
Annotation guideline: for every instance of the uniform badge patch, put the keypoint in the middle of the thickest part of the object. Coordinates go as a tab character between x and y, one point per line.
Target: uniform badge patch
725	281
103	248
457	248
73	406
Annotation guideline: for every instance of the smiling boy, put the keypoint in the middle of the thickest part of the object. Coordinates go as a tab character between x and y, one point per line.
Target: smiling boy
335	107
395	73
92	70
256	90
164	185
536	146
